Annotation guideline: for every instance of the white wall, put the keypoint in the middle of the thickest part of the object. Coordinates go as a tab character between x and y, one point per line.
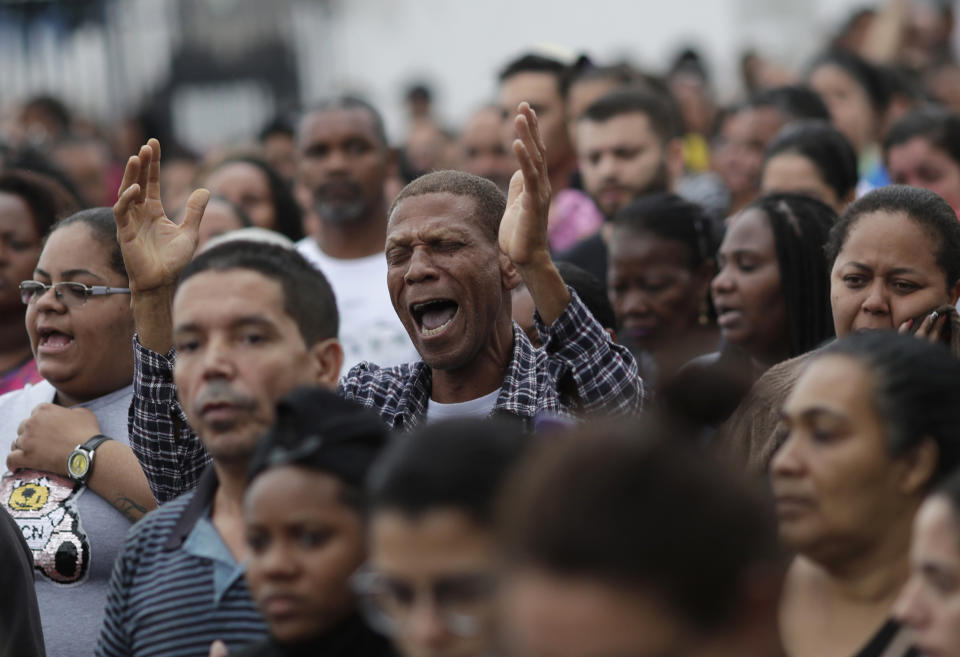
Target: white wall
377	46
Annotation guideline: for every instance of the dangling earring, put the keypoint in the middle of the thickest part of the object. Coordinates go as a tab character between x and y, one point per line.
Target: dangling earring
704	317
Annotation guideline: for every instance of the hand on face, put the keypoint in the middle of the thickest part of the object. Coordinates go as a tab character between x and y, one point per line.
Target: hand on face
155	249
46	438
523	229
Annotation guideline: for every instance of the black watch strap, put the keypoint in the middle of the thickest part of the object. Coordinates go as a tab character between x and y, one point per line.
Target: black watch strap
95	441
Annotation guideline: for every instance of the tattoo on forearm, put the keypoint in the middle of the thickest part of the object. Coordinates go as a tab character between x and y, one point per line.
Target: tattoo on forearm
129	508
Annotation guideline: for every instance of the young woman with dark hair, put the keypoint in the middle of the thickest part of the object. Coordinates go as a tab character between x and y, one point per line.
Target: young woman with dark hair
894	258
252	185
812	158
858	97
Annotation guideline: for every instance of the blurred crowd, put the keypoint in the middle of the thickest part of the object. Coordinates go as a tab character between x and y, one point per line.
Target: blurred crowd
611	369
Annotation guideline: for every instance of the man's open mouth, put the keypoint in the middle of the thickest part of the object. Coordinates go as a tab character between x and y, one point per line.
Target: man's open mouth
433	316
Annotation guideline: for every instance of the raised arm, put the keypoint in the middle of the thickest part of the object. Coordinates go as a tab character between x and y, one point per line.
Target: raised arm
155	251
604	373
523	229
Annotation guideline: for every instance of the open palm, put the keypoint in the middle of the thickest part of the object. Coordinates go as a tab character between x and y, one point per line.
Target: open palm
154	248
523	228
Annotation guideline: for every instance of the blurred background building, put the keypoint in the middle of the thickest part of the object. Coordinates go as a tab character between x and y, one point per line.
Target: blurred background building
211	71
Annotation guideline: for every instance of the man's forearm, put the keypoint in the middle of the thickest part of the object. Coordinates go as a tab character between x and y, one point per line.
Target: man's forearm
547	289
153	319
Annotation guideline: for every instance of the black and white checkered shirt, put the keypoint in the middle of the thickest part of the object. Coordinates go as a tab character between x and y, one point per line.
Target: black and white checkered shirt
579	371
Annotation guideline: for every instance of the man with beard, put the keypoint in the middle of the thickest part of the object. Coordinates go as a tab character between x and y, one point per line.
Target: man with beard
628	145
344	162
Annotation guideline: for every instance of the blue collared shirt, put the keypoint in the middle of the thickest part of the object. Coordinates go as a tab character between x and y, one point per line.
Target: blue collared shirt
205	542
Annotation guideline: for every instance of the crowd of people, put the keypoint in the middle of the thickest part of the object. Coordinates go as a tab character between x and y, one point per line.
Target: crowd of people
609	370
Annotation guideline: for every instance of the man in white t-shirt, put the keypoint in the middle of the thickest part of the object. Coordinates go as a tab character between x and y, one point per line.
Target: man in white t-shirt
344	162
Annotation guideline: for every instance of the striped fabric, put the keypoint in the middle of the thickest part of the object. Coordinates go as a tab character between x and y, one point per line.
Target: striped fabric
161	600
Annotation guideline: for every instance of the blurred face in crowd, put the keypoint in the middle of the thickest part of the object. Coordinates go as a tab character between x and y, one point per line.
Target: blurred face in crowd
176	182
433	582
850	109
620	159
919	163
885	274
836	485
86	162
693	97
482	150
655	294
80	349
552	615
301	555
581	95
219	217
280	152
542	91
427	148
792	172
247	187
751	311
238	352
344	163
19	249
930	602
447	278
743	139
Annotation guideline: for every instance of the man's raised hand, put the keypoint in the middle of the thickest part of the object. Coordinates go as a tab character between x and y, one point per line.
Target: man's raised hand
154	248
523	230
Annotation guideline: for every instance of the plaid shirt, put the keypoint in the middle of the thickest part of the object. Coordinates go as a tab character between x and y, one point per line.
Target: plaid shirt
579	371
170	453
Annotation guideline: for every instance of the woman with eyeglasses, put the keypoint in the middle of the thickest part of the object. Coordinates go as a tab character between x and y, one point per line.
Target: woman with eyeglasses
72	483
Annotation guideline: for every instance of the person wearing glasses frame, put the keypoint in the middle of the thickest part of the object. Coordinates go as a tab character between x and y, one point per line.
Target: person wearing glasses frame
430	583
73	485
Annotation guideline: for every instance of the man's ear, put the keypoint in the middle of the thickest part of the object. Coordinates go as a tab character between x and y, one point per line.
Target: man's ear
920	466
327	358
509	275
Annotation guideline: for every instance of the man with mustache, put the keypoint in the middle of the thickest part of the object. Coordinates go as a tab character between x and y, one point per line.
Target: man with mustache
219	340
344	162
628	145
456	248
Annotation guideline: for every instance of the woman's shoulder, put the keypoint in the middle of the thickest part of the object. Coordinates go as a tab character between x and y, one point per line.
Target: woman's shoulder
749	433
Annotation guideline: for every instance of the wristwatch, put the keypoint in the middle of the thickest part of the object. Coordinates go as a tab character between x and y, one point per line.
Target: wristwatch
80	461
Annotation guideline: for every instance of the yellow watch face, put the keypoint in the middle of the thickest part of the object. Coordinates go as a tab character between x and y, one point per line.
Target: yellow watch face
78	464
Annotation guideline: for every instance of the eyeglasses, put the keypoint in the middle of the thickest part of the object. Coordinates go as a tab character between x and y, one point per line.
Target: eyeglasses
459	601
68	293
